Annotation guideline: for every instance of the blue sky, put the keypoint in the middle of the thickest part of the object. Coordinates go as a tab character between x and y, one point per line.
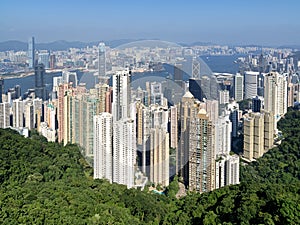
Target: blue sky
262	22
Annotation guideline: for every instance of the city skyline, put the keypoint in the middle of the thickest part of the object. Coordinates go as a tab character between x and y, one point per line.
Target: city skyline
230	22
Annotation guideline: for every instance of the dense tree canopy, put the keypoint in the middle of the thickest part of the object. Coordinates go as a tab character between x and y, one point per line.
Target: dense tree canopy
46	183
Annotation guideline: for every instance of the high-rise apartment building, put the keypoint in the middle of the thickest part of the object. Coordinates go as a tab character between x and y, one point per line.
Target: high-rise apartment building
63	90
258	135
31	53
201	164
269	121
153	142
17	113
121	95
124	152
159	145
103	89
4	115
50	116
233	109
79	111
223	129
212	110
227	170
275	95
238	87
144	127
29	114
254	136
248	138
187	110
174	126
103	146
159	156
156	95
232	170
224	96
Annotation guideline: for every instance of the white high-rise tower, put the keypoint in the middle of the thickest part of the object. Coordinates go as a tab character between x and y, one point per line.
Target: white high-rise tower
124	137
121	95
124	152
238	87
251	84
103	146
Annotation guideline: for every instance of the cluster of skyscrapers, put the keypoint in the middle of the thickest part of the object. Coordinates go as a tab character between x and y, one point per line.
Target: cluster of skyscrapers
41	57
270	100
134	136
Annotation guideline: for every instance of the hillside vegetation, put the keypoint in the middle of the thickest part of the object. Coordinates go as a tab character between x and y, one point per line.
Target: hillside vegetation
46	183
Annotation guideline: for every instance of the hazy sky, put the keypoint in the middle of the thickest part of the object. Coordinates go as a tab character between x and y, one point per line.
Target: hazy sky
224	21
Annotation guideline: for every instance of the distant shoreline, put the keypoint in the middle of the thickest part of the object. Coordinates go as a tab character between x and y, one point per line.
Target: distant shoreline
17	75
26	74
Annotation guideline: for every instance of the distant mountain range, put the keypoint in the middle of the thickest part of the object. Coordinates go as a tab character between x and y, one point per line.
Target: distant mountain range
58	45
65	45
290	46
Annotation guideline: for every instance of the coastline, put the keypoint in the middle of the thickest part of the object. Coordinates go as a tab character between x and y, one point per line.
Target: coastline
26	74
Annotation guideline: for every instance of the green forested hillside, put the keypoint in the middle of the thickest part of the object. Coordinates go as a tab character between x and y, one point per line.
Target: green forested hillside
45	183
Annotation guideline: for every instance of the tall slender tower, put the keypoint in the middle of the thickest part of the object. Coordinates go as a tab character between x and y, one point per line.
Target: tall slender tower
1	88
201	153
31	52
39	72
187	110
174	126
101	62
62	91
121	95
124	134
